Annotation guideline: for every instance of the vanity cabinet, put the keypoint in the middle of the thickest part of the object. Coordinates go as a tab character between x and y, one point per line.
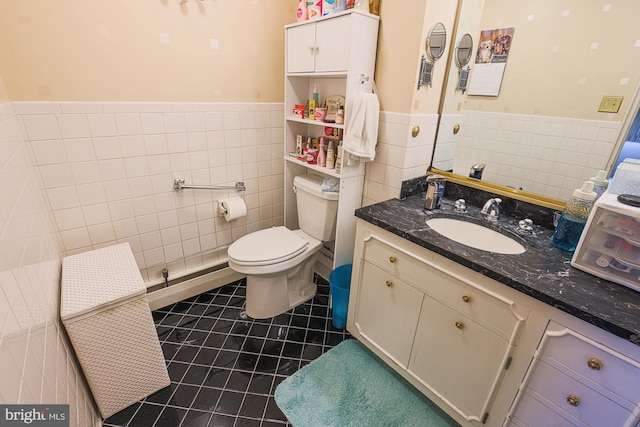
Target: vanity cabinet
447	334
335	54
485	353
577	381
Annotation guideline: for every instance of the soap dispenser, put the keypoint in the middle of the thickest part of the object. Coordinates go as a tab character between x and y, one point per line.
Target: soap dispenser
574	218
600	182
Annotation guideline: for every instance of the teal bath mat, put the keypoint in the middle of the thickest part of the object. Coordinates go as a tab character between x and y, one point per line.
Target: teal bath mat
349	386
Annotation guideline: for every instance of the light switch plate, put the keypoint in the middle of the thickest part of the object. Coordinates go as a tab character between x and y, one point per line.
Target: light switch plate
610	104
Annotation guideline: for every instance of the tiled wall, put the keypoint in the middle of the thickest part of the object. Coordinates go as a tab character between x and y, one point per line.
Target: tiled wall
543	155
399	155
38	366
108	171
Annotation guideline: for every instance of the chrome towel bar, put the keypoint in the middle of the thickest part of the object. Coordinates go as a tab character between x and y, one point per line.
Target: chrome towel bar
178	184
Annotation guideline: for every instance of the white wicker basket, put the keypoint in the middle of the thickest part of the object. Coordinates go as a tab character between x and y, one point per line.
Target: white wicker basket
105	311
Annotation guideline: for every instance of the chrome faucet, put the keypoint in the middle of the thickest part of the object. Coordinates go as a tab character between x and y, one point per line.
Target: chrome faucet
491	209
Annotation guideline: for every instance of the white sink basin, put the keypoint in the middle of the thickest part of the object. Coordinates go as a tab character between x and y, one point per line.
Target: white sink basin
475	236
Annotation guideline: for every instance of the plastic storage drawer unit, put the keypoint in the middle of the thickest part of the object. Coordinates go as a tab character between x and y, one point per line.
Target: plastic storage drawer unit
105	311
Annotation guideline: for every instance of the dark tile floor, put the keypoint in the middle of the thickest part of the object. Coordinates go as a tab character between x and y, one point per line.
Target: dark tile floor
224	367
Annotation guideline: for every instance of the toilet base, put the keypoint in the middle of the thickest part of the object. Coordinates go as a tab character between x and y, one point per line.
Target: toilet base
271	295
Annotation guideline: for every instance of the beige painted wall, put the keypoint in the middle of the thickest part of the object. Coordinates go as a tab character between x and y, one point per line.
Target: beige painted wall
565	56
398	53
119	50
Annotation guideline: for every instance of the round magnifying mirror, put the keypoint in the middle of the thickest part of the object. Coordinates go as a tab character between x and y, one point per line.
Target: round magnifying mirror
464	50
436	41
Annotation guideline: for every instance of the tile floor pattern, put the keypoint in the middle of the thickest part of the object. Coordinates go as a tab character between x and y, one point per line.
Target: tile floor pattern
224	367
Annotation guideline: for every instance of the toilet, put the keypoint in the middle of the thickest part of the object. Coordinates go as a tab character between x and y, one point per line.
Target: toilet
278	262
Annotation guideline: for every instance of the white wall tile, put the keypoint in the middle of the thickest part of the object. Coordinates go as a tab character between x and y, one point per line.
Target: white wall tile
102	125
73	125
79	149
174	122
49	152
41	127
128	124
107	147
96	214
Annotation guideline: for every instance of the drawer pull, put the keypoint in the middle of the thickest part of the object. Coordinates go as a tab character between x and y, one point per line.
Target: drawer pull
595	364
392	259
388	283
573	400
459	325
466	298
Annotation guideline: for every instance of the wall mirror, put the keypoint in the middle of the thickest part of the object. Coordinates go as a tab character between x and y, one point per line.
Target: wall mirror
436	42
527	141
435	46
462	56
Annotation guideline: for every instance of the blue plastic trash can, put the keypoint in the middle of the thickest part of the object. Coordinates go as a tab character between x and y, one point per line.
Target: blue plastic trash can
340	282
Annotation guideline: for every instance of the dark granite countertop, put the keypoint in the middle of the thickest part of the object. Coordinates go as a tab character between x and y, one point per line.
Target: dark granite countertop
542	272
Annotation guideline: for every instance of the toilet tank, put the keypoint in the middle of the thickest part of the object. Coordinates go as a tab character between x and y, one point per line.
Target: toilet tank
317	209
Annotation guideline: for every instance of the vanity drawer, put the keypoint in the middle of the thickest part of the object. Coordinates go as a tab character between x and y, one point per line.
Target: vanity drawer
576	399
535	411
592	360
393	259
495	312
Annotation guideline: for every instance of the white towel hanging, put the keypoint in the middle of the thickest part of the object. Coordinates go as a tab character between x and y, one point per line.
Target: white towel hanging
361	136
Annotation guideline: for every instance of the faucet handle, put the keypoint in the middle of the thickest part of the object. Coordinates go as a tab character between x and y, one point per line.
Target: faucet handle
525	226
460	205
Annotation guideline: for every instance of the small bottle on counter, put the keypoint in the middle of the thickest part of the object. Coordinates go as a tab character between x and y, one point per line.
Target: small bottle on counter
574	218
600	183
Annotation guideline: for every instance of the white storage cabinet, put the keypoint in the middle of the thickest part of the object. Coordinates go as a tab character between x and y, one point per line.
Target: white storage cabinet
333	53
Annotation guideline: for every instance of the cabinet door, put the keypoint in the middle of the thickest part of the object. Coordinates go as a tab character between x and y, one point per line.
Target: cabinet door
457	359
301	48
333	39
387	312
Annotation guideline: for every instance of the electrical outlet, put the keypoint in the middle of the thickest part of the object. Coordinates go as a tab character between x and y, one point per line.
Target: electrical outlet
610	104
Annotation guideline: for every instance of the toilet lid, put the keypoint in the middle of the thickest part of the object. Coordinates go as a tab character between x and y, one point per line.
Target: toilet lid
268	246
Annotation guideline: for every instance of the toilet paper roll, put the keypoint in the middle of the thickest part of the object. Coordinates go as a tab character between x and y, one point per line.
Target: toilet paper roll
233	208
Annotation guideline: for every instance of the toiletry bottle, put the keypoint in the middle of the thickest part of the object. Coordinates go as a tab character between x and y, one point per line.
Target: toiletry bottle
600	183
322	154
340	115
574	218
301	12
339	157
331	156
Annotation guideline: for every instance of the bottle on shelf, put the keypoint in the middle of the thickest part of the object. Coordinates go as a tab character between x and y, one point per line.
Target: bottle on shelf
574	218
340	115
301	12
315	95
331	156
322	155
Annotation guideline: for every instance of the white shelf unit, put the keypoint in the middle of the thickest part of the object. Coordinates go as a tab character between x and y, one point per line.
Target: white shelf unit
333	53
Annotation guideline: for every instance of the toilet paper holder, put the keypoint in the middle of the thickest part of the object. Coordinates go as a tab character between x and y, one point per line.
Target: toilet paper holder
179	184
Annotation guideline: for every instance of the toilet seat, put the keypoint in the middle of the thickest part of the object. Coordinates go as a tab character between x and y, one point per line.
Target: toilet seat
265	247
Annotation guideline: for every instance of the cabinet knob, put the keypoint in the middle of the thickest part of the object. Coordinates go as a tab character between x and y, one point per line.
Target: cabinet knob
595	364
392	259
459	325
466	298
312	48
388	283
573	400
